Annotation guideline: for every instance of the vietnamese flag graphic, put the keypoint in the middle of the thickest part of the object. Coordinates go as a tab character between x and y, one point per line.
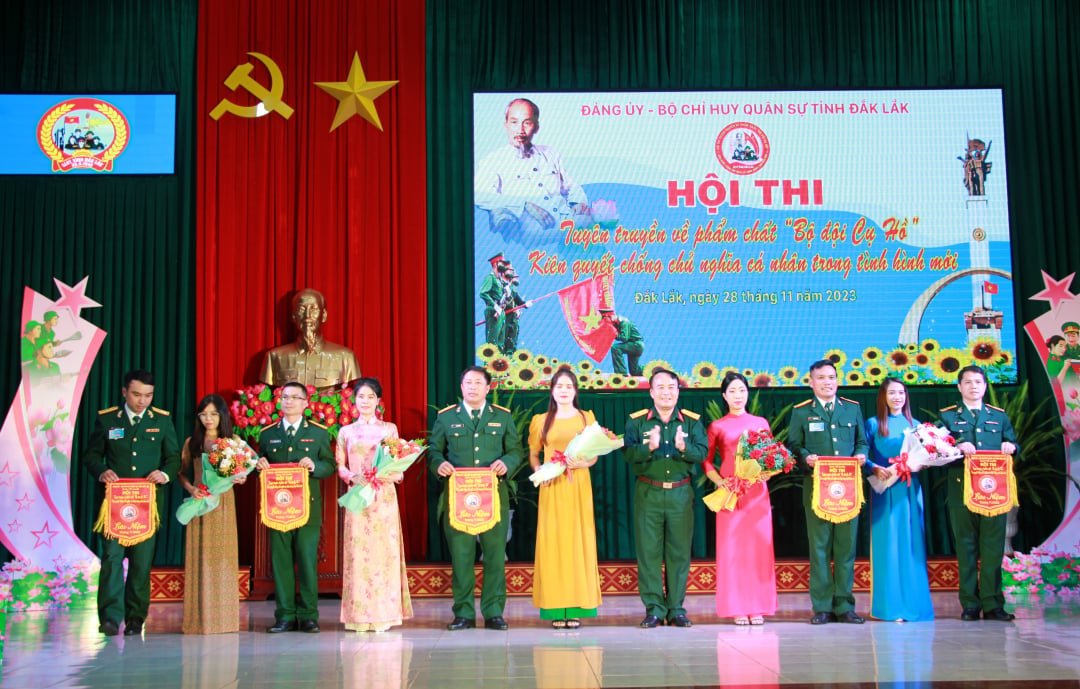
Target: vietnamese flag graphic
71	119
581	304
989	287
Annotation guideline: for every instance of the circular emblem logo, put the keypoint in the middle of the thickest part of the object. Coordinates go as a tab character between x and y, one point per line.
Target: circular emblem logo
742	148
836	489
987	484
83	134
472	501
129	512
978	234
283	497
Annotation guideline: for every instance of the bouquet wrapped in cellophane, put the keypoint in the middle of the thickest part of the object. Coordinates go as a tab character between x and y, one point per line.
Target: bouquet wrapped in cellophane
231	457
925	445
594	440
758	457
393	455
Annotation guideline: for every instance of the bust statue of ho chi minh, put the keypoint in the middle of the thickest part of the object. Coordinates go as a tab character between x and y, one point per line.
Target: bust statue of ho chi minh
310	360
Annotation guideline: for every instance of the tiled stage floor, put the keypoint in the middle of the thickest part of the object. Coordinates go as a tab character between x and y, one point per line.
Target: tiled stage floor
1041	649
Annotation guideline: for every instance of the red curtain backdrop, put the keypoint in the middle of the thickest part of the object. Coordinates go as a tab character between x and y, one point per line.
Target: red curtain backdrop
287	204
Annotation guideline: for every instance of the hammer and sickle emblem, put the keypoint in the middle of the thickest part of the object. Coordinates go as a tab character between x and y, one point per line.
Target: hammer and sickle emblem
270	99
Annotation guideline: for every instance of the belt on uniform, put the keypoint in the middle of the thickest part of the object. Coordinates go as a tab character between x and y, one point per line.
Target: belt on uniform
664	484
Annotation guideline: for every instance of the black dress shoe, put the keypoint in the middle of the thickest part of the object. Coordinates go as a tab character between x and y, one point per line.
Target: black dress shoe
109	628
850	617
999	614
461	623
497	623
283	626
970	615
680	621
133	627
309	626
649	622
822	618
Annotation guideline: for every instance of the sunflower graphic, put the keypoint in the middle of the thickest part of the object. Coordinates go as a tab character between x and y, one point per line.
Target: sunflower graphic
789	375
500	367
984	351
854	378
617	380
910	377
875	373
524	376
541	360
857	363
898	359
923	359
522	356
837	356
762	379
872	355
805	380
930	346
1005	357
653	365
487	352
948	362
705	372
585	366
911	347
726	370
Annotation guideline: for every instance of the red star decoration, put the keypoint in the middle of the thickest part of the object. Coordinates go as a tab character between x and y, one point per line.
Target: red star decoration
75	297
44	536
1054	291
59	561
7	476
14	526
24	502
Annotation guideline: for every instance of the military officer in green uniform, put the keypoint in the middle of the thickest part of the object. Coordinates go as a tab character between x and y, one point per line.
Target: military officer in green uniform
1071	330
296	440
491	293
828	426
662	445
512	318
977	427
134	440
476	433
628	346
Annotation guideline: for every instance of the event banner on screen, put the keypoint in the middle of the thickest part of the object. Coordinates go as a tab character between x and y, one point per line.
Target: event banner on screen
51	134
760	232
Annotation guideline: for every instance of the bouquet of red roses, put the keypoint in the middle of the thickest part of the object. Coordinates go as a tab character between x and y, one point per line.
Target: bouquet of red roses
758	457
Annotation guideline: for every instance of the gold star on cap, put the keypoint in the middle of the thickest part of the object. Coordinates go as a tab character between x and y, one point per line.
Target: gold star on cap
356	95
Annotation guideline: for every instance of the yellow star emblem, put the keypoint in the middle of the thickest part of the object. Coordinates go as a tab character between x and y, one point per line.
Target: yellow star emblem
356	95
591	321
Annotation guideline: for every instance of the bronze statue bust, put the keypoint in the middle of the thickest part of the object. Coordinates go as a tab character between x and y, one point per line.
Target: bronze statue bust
310	360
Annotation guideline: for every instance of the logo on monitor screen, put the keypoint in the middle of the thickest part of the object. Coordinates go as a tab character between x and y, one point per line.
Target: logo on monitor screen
742	148
83	134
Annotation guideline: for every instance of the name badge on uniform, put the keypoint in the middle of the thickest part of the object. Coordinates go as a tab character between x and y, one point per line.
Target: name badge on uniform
274	440
307	440
116	433
457	425
153	430
492	423
817	426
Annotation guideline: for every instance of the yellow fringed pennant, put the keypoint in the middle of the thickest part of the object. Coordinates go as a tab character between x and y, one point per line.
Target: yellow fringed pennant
838	491
989	484
474	500
284	497
129	513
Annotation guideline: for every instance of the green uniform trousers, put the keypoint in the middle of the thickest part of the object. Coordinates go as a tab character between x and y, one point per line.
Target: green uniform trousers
977	538
463	557
663	531
830	544
302	547
119	600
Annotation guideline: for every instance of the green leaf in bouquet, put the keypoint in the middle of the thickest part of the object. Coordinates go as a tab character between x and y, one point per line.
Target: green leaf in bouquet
265	394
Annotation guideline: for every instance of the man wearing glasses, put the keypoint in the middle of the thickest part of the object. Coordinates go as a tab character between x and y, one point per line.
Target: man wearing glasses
296	440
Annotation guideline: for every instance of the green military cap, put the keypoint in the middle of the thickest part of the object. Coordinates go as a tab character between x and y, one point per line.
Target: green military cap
1071	327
